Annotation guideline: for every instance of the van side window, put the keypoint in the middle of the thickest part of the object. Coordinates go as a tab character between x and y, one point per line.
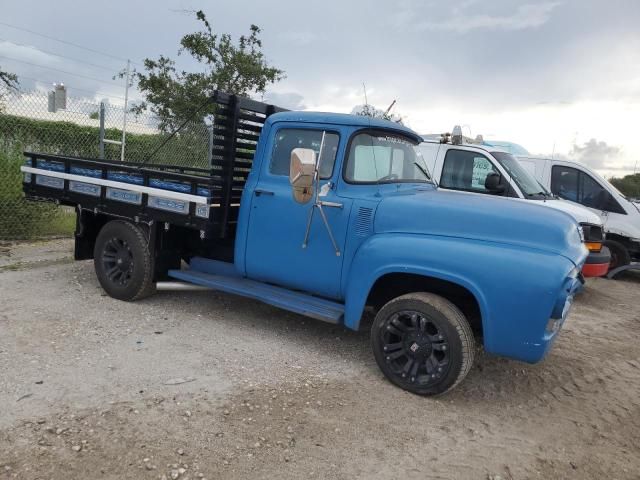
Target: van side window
564	183
591	193
464	170
572	184
289	138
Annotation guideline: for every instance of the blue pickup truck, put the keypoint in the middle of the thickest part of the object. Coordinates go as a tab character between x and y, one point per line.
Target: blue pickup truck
327	215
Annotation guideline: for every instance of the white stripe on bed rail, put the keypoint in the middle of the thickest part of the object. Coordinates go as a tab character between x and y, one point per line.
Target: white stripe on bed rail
123	185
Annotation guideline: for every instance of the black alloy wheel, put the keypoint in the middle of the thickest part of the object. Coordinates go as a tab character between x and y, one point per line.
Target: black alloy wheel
117	261
415	347
123	261
422	343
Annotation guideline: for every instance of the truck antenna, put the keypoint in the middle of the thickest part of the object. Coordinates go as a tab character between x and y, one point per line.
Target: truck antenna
390	107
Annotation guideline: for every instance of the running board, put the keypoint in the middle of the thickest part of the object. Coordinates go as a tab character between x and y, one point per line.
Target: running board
297	302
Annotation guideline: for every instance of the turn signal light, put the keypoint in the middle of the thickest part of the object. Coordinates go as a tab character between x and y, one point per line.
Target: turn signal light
594	246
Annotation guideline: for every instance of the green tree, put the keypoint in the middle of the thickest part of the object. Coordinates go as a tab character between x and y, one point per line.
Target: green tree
10	80
371	111
235	67
628	185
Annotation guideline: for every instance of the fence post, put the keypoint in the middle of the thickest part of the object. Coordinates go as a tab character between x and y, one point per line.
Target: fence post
210	150
101	135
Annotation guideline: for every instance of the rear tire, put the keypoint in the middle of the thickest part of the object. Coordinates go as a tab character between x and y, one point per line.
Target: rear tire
123	261
620	256
423	343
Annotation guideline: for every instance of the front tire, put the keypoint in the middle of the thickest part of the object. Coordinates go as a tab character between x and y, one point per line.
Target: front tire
123	261
620	256
423	343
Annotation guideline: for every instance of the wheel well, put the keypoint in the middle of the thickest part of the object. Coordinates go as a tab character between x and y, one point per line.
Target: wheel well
88	225
393	285
624	241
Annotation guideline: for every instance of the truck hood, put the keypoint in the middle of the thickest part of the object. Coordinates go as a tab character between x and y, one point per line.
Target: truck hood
439	212
578	212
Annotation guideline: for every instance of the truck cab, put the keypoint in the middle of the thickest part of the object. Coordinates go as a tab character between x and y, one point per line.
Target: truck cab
479	169
327	215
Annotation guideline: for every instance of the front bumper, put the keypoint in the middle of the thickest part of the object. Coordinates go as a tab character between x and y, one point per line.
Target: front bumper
560	312
597	264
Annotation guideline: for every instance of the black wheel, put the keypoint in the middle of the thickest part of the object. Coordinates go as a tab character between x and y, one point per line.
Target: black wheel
123	262
422	343
619	254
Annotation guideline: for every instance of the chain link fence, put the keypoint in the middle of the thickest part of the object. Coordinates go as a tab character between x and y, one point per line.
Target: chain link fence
83	129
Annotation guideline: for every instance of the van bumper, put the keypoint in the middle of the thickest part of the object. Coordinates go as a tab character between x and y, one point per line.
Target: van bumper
597	264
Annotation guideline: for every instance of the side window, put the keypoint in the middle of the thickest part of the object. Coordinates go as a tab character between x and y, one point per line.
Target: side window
463	170
564	182
591	193
572	184
289	138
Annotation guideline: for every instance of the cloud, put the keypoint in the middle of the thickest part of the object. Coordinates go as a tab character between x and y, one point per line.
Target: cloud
298	38
288	100
529	15
595	154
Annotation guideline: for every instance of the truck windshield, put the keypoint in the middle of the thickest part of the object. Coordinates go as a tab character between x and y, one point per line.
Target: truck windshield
385	157
528	185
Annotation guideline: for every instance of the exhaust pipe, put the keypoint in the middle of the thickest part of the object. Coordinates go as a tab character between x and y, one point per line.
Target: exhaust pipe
179	286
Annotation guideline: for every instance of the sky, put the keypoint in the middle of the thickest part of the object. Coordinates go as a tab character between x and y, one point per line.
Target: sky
559	77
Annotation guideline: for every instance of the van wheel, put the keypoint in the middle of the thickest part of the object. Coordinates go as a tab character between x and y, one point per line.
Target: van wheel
123	262
423	343
620	256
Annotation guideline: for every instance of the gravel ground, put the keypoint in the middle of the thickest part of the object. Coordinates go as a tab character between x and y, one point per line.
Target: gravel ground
206	385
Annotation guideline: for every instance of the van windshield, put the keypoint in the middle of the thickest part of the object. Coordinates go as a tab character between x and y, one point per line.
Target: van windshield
528	185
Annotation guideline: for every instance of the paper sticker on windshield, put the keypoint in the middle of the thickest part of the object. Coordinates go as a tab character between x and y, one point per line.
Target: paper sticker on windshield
390	139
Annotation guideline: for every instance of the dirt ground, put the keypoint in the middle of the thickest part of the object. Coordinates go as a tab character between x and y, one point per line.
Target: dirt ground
207	385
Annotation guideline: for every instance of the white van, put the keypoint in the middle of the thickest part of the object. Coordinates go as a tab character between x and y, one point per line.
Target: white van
578	183
484	170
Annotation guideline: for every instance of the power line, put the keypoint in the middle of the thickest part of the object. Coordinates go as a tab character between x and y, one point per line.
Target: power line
57	70
65	42
58	55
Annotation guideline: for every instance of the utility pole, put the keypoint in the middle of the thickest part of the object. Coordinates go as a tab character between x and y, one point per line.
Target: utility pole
124	120
101	134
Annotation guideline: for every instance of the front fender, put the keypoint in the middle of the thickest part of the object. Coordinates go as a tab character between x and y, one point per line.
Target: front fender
516	288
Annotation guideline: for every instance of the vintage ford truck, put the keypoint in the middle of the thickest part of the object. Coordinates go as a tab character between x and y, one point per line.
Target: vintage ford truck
326	215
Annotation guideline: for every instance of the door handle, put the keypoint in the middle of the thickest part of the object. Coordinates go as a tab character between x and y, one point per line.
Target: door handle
330	204
260	191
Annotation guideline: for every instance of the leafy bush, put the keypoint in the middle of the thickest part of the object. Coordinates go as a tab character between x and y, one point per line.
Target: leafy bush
20	219
629	185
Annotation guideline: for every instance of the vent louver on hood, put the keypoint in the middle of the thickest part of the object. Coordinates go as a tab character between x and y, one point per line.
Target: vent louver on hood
364	222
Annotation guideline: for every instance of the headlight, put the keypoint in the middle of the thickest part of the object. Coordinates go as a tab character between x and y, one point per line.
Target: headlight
581	233
592	236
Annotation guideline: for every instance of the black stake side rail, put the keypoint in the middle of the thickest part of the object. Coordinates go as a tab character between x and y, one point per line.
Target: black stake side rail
237	125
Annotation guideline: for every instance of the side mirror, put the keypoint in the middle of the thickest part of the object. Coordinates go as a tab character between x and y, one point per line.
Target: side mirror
301	172
493	183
